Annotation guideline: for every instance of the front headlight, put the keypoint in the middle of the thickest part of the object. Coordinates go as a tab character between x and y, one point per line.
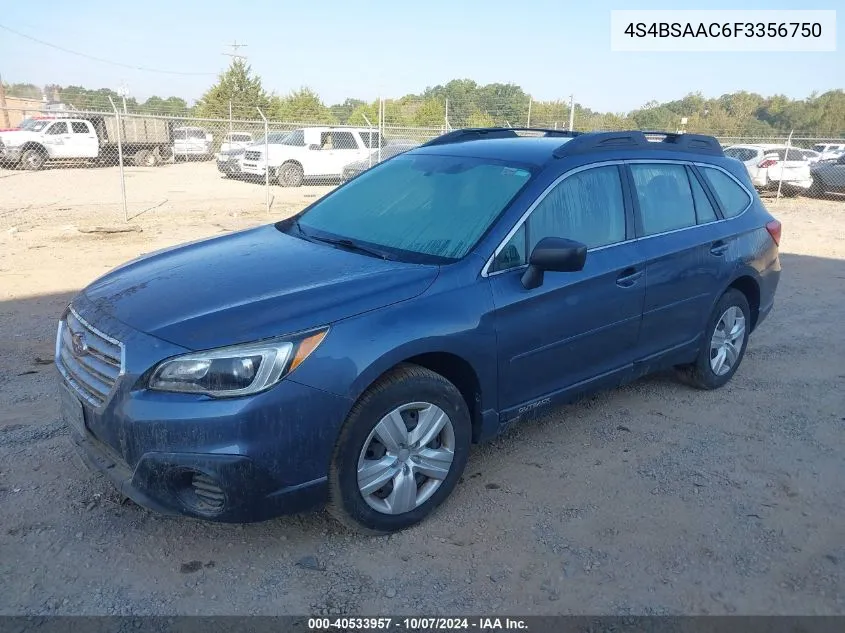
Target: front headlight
239	370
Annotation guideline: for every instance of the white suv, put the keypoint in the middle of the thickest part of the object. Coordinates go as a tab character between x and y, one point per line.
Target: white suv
769	164
308	153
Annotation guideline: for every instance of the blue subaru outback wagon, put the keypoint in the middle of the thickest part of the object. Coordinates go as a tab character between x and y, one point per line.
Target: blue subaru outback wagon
352	353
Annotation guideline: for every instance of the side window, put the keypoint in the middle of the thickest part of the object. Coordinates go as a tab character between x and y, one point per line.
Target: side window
704	211
666	202
344	140
326	140
794	154
587	207
58	128
513	254
733	198
79	127
296	138
370	139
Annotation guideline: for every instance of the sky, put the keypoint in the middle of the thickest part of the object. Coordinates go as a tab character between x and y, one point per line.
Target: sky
368	49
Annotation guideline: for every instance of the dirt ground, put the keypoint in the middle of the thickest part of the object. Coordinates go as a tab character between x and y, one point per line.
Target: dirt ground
650	499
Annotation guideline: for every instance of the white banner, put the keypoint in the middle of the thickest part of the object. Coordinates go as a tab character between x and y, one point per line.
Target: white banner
735	31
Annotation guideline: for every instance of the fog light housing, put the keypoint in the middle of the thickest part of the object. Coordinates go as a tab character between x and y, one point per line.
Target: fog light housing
199	492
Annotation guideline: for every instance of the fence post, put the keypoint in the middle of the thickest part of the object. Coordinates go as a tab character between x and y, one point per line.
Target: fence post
266	157
571	112
380	124
783	163
380	140
528	123
118	125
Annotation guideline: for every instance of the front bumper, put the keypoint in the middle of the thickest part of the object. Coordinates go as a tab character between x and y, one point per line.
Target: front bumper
10	155
254	168
228	167
229	460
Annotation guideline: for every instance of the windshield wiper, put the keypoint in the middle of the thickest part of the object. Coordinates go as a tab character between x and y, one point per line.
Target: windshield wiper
350	245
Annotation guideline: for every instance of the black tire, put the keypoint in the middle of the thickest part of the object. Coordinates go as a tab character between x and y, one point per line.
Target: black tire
290	174
700	373
33	160
404	384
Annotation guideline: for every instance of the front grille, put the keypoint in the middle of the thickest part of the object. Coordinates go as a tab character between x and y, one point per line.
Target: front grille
252	155
94	365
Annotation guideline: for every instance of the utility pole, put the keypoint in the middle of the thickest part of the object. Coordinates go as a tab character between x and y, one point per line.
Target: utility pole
528	124
6	122
571	112
234	54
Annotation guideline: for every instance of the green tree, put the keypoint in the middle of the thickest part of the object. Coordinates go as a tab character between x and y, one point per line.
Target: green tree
239	85
171	105
24	91
429	113
343	111
302	106
95	100
477	118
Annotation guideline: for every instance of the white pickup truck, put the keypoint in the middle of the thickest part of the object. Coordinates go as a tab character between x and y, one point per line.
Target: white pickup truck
313	152
145	141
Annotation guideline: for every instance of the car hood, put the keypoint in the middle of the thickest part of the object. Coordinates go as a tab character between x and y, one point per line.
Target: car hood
250	285
12	138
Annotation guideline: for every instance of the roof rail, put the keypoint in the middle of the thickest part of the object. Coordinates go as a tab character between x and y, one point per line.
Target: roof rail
639	139
478	133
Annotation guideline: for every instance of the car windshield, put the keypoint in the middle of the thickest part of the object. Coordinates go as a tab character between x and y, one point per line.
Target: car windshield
274	138
239	138
34	125
418	207
819	148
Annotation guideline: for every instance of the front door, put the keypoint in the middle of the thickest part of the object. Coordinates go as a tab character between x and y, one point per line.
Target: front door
58	140
578	326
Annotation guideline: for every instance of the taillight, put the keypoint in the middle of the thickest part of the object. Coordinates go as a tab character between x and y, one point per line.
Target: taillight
767	163
774	229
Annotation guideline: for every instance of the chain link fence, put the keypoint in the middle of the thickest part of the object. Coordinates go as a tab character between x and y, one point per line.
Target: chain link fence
116	165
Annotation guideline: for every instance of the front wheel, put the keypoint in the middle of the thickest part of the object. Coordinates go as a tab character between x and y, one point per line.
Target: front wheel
33	160
290	175
400	452
725	340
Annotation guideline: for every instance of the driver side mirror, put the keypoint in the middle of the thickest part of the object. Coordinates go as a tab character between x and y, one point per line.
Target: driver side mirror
555	254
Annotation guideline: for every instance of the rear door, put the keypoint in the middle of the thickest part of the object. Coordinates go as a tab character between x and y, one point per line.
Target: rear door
677	222
84	140
345	150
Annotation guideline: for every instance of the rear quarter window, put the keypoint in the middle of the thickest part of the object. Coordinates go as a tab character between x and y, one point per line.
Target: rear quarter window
733	198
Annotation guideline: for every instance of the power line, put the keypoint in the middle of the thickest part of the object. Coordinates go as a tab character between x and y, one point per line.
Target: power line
100	59
234	54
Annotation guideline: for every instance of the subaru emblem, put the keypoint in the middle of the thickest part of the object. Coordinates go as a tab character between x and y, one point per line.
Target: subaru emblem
78	344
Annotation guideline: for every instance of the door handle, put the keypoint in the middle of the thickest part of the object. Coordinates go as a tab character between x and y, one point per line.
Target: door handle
718	248
628	277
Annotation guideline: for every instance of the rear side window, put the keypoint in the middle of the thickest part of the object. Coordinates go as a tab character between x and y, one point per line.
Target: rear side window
665	197
704	210
370	139
79	127
741	153
733	197
343	140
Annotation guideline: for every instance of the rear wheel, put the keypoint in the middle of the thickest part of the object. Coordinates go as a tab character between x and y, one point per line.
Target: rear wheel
725	340
290	175
400	452
33	159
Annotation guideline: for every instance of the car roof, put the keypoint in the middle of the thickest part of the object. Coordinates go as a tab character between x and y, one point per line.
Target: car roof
532	150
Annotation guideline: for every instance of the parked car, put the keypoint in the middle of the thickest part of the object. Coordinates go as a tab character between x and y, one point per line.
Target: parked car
236	140
828	177
192	142
810	156
229	160
353	352
314	152
767	165
38	140
829	151
388	151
